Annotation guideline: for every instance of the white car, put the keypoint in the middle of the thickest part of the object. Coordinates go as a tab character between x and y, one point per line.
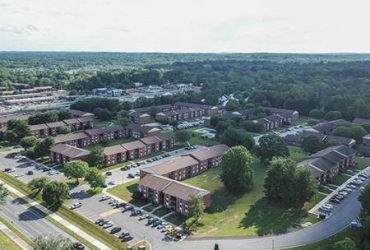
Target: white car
105	197
108	224
76	205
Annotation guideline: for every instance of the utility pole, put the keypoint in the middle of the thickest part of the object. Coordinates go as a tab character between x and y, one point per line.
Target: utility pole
273	244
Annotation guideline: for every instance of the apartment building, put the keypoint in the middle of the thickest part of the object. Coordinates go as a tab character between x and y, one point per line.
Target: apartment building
62	153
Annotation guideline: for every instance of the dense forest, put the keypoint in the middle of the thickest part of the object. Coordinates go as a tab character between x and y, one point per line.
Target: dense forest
305	82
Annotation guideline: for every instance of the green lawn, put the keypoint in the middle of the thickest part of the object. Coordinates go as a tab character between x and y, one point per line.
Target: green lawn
126	191
243	214
196	139
339	179
6	243
296	153
329	242
101	124
362	162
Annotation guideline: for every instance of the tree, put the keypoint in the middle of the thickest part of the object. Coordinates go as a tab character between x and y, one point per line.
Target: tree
211	99
316	113
345	244
311	144
28	141
16	130
253	126
236	170
350	131
182	136
103	114
42	147
196	208
124	121
270	146
95	178
54	193
153	111
38	183
232	105
76	169
233	137
96	156
64	114
52	243
287	184
65	130
333	115
3	193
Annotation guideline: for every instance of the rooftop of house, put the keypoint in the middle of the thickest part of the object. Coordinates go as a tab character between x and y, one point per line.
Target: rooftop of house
150	140
205	153
112	150
133	145
168	166
69	151
171	187
38	127
70	137
55	124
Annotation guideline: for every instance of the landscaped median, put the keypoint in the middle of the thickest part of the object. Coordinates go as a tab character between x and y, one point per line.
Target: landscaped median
76	220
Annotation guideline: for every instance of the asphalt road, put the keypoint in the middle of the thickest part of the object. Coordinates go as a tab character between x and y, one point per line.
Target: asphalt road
29	220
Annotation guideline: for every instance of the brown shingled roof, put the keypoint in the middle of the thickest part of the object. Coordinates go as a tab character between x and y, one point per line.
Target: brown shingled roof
55	124
70	137
69	151
155	182
133	145
150	140
38	127
112	150
168	166
204	153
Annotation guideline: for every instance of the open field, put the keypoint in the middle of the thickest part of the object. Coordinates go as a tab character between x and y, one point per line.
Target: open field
126	191
296	153
243	214
362	162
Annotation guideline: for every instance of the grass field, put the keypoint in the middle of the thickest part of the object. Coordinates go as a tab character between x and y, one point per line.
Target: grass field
329	242
339	179
6	243
296	153
126	191
362	162
243	214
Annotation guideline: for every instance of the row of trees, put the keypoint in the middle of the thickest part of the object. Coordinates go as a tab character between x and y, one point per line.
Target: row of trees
50	116
55	192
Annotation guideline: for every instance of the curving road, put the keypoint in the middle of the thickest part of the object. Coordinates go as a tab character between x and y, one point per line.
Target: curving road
341	218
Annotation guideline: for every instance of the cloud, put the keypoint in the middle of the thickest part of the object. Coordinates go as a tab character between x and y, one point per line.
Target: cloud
185	26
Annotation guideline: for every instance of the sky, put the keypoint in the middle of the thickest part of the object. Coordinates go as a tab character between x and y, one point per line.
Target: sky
185	26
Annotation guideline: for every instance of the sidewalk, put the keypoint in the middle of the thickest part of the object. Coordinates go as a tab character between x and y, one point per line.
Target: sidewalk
57	218
19	241
315	209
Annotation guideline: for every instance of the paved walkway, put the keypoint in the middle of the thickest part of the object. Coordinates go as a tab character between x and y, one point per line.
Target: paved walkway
57	218
19	241
315	209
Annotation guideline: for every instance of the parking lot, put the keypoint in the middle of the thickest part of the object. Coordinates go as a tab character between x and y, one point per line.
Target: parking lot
136	226
353	185
25	169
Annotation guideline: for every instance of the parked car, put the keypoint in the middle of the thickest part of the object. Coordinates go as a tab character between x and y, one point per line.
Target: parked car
105	197
9	170
111	183
108	173
123	234
76	205
326	207
103	221
78	245
115	230
30	172
108	224
127	238
99	220
334	200
130	175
